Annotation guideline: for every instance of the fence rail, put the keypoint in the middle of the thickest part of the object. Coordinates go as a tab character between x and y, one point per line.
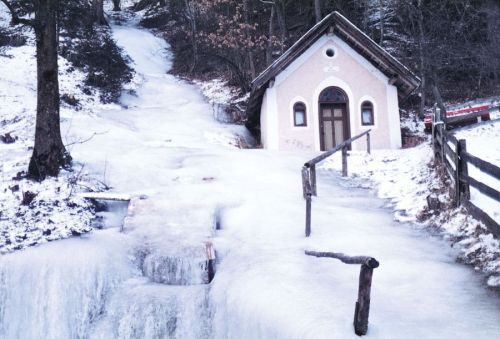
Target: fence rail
453	156
309	187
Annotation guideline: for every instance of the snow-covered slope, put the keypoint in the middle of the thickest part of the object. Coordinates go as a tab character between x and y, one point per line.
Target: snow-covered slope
52	214
164	144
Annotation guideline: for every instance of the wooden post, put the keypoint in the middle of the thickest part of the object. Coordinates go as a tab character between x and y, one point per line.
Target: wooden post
210	264
433	131
442	132
344	161
464	172
305	180
312	173
458	172
307	191
362	309
368	147
308	214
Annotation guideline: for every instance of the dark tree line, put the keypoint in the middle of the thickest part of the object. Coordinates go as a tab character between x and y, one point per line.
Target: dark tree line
48	19
450	43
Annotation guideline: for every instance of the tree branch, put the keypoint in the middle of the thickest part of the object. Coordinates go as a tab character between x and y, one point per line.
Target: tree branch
16	20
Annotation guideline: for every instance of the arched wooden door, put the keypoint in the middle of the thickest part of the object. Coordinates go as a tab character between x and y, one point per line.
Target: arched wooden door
333	118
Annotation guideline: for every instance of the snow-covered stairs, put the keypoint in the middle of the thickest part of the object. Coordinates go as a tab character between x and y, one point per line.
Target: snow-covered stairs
170	296
176	249
193	265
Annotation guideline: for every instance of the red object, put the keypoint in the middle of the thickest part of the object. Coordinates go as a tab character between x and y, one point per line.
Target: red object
458	112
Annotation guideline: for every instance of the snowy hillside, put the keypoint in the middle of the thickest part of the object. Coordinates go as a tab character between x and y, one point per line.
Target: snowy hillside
192	187
54	210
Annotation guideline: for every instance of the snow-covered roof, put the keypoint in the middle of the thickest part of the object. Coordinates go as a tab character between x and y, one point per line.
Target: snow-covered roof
398	74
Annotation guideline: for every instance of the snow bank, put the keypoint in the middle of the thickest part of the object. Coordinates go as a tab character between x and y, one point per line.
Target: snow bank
406	177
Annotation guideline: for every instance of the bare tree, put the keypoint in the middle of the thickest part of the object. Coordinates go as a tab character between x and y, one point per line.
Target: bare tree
421	42
317	10
49	153
116	5
190	12
382	18
270	36
248	36
98	12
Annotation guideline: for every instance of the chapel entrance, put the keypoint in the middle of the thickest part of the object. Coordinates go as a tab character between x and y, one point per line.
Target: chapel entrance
333	118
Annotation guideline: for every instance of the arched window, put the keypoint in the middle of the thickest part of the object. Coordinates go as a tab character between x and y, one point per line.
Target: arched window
367	116
299	114
332	95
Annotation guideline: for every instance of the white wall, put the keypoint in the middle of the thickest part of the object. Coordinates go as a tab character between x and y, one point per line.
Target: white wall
312	72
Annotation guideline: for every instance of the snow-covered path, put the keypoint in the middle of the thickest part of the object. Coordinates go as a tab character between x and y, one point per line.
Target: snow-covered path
167	146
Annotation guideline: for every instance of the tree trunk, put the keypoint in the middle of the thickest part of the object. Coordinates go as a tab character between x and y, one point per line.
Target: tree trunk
49	153
269	50
280	13
421	41
382	19
492	12
191	15
98	12
251	62
116	5
317	10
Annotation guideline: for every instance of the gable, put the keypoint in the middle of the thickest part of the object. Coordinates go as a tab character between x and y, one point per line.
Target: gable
344	57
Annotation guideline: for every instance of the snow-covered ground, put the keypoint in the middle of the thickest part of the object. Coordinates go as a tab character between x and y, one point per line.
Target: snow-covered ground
185	173
56	211
405	178
483	141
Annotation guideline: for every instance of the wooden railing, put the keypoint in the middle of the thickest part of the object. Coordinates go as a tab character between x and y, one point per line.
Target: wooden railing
309	187
362	308
453	155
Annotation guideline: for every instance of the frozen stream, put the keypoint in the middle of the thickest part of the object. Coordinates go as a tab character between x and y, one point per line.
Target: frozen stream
147	282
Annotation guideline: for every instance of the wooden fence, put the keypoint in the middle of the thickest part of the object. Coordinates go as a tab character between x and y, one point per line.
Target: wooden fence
309	188
453	155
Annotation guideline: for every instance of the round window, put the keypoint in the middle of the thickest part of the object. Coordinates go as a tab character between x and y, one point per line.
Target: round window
330	52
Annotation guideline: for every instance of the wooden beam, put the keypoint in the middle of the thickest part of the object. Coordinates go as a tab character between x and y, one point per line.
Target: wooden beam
211	261
351	260
336	149
482	165
484	189
308	215
344	161
479	214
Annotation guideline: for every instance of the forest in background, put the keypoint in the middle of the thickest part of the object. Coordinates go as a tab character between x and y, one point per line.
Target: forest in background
454	44
84	40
